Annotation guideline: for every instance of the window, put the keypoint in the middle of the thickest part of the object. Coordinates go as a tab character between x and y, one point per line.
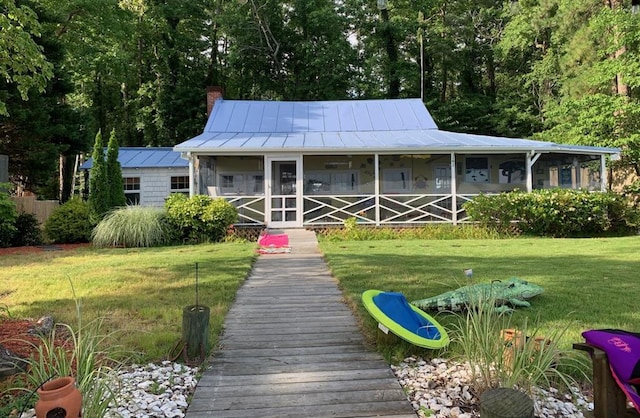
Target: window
242	183
132	190
443	178
179	183
327	182
476	170
396	180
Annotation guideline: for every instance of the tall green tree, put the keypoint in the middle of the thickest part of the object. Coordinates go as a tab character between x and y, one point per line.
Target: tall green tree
98	187
114	174
22	62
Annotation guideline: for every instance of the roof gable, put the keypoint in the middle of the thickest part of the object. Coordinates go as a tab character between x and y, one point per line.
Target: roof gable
243	116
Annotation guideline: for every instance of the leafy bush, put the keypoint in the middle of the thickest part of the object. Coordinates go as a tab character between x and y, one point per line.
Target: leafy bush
70	223
132	226
551	212
27	231
199	218
8	216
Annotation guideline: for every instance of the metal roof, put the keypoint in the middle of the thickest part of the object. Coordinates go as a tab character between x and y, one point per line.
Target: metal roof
399	125
141	157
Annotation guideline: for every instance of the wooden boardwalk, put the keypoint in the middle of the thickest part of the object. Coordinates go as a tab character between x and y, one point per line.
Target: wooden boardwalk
291	348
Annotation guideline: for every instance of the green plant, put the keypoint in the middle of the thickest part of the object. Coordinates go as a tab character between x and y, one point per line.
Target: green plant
132	226
200	218
98	188
70	223
8	216
87	354
519	362
114	174
553	212
28	231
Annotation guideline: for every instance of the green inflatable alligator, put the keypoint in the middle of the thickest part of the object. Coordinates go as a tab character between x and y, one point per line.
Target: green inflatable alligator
513	292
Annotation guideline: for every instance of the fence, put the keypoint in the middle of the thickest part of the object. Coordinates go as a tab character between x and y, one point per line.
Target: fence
41	209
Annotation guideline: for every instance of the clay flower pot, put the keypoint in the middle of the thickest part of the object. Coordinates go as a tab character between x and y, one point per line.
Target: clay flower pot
59	398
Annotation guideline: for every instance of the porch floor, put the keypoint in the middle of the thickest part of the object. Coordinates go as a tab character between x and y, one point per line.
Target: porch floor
292	348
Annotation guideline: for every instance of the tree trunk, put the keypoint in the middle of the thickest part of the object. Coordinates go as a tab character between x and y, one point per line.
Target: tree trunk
195	330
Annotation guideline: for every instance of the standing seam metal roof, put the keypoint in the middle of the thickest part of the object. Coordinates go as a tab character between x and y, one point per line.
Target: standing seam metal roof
145	157
403	125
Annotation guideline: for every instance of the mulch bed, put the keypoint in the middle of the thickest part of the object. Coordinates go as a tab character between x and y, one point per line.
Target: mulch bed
41	248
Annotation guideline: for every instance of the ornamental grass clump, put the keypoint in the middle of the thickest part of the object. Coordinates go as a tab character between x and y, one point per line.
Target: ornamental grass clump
526	361
132	226
87	354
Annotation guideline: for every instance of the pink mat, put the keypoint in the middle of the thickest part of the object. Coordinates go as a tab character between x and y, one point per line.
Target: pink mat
277	240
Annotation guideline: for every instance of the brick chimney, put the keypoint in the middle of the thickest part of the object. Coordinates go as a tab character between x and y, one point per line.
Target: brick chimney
213	93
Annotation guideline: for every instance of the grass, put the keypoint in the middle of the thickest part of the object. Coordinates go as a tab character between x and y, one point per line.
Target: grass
589	283
139	292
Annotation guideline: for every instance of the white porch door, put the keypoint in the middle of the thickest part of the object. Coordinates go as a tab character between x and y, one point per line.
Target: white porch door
284	192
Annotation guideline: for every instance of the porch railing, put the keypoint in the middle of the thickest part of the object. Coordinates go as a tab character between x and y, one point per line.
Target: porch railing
397	209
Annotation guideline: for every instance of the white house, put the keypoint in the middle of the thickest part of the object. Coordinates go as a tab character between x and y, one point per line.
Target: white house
150	174
385	162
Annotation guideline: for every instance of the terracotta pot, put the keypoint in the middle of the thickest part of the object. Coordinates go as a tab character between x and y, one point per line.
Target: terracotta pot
59	398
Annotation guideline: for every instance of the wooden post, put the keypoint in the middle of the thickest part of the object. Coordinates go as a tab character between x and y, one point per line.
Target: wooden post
195	330
505	403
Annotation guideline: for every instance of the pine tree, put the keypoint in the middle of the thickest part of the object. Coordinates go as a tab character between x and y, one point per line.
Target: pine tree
114	174
98	189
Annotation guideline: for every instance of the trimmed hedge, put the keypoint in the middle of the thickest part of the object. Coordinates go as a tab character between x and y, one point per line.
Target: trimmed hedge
553	212
199	218
70	223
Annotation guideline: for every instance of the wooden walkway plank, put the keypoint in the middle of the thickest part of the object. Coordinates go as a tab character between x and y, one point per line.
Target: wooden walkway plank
292	348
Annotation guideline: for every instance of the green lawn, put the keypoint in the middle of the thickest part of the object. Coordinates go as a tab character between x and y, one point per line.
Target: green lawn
140	292
589	283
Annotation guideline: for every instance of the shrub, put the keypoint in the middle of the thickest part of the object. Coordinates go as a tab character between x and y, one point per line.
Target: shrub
27	231
132	226
551	212
8	216
199	218
70	223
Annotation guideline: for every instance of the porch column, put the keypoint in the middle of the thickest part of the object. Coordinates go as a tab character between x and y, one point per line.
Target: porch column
604	180
192	176
454	190
532	157
376	186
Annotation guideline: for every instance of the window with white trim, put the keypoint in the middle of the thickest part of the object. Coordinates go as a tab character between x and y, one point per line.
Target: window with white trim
132	190
241	183
476	170
396	180
180	184
331	182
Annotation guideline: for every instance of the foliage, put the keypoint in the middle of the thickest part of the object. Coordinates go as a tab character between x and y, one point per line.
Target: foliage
522	362
552	212
357	232
200	218
22	61
114	174
89	361
70	223
98	187
8	216
28	231
132	226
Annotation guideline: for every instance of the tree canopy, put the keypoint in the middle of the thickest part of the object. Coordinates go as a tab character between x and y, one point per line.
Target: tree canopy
560	70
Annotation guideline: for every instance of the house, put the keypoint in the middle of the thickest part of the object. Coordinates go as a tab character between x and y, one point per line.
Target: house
384	162
149	174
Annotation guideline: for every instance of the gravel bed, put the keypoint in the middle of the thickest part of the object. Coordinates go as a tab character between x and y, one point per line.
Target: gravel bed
440	388
436	388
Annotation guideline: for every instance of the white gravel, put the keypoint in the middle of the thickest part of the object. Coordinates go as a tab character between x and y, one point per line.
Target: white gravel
440	388
436	388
